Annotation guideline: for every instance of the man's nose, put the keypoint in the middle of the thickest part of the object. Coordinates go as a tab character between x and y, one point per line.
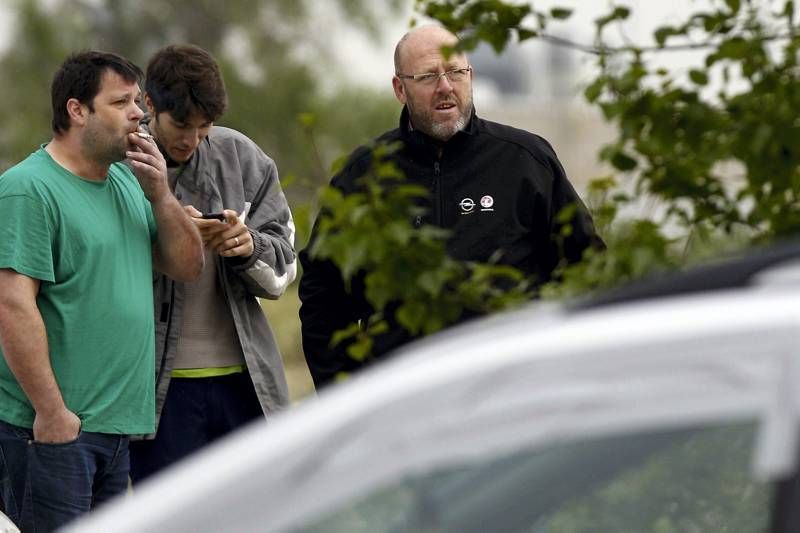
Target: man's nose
443	84
137	113
190	137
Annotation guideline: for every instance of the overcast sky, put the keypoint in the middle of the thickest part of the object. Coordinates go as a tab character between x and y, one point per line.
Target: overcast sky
371	63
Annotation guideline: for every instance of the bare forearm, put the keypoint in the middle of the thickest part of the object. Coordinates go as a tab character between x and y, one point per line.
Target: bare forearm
24	342
179	250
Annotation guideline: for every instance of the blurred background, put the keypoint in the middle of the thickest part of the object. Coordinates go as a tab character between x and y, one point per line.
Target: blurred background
308	81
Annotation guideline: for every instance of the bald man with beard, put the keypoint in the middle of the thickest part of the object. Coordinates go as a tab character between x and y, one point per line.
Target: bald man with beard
496	189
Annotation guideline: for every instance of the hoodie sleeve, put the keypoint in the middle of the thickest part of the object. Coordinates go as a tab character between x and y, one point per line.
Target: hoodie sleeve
272	267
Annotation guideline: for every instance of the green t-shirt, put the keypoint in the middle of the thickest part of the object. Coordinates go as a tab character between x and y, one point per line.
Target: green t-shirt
89	243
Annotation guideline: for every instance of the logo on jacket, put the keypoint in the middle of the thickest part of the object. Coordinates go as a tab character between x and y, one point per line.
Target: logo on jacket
486	203
467	205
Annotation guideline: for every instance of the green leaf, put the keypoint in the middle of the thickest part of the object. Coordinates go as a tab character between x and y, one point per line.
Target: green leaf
400	232
619	13
622	161
354	260
560	13
594	90
344	334
662	34
734	5
788	10
360	349
431	282
734	48
698	77
378	328
411	316
622	12
379	288
567	213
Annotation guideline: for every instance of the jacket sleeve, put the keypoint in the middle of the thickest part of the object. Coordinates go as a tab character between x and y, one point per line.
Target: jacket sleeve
582	234
327	306
272	267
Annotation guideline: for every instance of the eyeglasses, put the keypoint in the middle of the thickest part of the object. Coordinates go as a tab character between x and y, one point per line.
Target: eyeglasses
432	78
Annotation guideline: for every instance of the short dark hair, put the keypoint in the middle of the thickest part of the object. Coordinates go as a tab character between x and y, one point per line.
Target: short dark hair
184	79
80	76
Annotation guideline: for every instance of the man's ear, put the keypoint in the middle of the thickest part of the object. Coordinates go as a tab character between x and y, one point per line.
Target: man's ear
148	103
78	113
399	90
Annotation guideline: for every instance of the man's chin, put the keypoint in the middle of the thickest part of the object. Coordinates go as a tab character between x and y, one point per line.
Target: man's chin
120	154
180	156
443	131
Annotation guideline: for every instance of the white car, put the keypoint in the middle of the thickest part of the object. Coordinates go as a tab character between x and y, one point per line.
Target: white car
657	408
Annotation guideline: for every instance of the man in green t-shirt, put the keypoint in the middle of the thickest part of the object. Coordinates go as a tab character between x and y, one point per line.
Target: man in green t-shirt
81	234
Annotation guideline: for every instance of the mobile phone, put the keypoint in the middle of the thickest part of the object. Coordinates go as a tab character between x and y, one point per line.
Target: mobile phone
217	216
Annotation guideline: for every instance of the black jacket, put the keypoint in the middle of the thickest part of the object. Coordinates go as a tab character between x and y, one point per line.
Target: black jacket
498	189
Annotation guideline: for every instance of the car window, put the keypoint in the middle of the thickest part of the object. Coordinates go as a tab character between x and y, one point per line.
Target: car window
691	479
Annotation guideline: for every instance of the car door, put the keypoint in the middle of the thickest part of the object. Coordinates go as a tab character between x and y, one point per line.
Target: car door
664	415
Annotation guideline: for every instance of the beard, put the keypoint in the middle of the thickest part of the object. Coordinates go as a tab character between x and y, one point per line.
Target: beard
422	120
102	144
443	131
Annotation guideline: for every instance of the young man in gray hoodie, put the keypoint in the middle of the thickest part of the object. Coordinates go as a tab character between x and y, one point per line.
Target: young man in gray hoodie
218	365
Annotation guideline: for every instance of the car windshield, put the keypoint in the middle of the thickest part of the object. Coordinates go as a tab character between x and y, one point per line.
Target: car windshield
684	480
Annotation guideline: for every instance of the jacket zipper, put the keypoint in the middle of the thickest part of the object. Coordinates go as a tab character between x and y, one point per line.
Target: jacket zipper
437	191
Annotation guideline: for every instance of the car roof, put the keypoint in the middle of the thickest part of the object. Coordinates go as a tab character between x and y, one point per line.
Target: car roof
531	377
761	264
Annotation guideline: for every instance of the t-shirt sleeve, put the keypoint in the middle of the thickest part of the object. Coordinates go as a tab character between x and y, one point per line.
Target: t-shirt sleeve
26	236
151	221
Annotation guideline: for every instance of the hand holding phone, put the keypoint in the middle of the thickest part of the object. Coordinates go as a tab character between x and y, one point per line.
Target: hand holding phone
205	223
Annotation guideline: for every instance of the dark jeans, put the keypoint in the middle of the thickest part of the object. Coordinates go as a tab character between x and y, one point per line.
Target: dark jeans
196	412
44	486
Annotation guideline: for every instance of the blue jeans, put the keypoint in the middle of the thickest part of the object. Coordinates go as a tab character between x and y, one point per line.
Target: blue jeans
44	486
197	411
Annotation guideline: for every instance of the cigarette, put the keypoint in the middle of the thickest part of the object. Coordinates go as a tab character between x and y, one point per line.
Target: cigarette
144	135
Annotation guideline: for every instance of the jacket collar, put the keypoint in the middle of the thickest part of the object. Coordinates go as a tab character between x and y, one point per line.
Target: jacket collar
417	138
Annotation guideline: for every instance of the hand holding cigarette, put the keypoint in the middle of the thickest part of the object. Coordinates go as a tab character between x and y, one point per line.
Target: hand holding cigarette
148	165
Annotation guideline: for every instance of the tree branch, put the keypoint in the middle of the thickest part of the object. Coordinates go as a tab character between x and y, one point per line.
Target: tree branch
605	50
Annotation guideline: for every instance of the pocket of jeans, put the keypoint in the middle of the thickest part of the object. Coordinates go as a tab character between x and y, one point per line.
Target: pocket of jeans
55	444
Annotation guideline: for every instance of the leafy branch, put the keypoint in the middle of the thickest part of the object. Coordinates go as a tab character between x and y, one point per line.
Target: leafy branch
715	147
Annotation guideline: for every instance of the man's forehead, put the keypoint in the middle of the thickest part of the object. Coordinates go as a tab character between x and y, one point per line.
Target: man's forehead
194	118
113	81
426	47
